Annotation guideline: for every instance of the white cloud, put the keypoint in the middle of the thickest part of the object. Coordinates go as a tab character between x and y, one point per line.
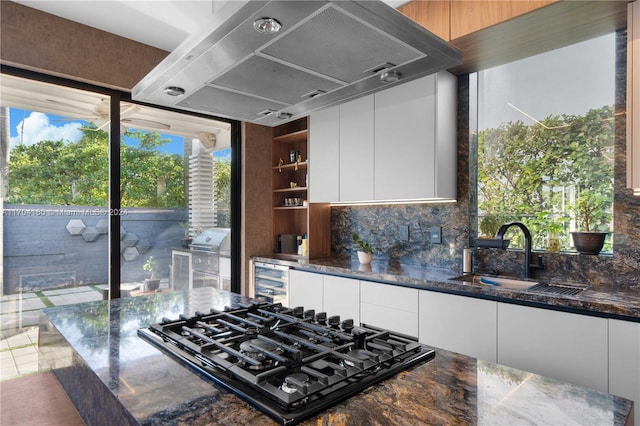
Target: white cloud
37	127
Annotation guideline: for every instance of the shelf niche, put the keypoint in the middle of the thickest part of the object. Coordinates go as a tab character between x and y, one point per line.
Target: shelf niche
289	191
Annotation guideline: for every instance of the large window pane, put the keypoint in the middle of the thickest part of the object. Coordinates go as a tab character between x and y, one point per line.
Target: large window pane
174	186
54	201
545	143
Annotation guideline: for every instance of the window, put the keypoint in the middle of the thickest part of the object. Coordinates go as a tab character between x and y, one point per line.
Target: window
545	143
56	158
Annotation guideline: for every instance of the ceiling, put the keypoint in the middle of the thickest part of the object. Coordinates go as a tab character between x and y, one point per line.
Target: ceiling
160	23
163	24
82	105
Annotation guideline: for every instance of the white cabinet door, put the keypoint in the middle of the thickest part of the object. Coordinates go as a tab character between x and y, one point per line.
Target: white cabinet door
305	289
459	324
342	297
624	362
356	150
561	345
324	165
405	140
388	306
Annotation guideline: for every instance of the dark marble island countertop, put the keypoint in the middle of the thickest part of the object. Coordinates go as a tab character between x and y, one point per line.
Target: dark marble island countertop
115	377
599	300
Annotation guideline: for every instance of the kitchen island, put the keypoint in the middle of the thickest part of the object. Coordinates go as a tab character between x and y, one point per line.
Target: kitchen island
115	377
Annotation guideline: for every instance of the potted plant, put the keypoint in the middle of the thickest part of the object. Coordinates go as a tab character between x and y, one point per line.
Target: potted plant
153	282
589	208
186	240
365	251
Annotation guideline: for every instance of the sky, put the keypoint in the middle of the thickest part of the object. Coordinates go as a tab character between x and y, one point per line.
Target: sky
567	80
30	127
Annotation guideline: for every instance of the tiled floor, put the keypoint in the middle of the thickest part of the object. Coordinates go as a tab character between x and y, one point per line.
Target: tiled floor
19	317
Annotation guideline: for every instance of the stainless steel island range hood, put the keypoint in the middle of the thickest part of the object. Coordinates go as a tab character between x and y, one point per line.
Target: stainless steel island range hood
269	62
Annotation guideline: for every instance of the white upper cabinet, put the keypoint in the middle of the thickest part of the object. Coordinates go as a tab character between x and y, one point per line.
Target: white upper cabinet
356	150
324	147
397	144
415	139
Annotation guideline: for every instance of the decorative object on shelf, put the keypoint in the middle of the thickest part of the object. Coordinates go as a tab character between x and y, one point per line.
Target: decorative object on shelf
280	163
590	208
293	184
553	242
152	283
365	251
294	156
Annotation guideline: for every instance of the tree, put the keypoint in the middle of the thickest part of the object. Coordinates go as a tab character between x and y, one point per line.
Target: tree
222	184
149	178
63	173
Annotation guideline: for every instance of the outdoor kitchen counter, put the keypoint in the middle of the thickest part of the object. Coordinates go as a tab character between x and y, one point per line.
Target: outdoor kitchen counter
599	300
115	377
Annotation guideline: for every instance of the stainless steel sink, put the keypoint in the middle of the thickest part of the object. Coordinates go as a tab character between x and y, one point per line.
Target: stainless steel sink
503	282
517	284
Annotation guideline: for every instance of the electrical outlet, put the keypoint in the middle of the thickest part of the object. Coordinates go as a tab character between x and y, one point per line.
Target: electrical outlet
404	232
436	234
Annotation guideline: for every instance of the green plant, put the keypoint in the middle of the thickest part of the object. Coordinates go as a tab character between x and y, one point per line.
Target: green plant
151	265
364	246
590	210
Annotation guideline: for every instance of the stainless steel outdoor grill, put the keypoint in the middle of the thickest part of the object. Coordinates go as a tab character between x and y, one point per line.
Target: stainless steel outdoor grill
207	250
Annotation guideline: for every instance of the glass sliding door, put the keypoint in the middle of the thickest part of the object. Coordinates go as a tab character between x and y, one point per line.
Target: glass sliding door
100	195
174	201
55	208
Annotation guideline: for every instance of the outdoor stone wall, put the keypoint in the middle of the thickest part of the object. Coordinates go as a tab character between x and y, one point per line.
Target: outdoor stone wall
380	224
55	246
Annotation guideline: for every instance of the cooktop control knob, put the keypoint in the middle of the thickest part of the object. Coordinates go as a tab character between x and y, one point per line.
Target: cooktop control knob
334	321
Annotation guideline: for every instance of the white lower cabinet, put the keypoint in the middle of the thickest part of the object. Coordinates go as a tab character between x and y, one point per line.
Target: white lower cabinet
342	297
459	324
389	306
624	362
306	289
565	346
598	353
325	293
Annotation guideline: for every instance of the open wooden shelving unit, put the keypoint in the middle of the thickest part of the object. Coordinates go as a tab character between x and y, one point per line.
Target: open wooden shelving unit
313	220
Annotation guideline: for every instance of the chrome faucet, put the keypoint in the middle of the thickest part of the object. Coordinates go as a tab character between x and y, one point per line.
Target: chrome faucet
527	246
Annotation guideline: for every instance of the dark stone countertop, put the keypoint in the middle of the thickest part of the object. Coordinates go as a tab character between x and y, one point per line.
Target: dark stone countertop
115	377
600	300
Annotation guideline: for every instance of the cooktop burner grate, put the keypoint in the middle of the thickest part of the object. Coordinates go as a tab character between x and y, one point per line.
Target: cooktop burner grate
290	363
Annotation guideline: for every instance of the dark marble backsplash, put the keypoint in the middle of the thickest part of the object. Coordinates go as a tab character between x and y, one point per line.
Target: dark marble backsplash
381	224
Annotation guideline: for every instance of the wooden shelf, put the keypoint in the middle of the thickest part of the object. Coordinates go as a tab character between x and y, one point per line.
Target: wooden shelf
290	207
291	166
295	137
290	256
296	189
313	220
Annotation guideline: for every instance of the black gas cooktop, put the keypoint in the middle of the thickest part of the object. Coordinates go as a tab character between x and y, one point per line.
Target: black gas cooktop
290	363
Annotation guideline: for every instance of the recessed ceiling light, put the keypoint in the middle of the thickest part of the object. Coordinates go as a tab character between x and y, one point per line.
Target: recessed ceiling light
174	91
284	115
267	25
390	76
